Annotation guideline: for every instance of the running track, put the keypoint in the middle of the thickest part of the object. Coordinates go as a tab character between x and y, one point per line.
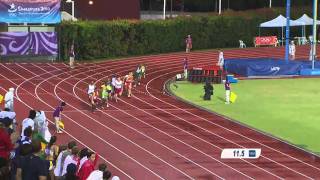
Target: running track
153	135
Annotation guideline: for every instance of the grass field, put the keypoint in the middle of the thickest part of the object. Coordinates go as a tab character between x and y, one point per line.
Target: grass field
286	108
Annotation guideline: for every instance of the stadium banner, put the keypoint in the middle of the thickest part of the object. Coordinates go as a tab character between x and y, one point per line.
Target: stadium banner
28	43
30	11
266	67
266	41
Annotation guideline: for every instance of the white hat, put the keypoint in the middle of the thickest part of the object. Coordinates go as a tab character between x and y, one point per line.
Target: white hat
115	178
11	89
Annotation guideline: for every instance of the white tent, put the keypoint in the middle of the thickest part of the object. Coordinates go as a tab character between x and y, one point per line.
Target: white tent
280	21
306	20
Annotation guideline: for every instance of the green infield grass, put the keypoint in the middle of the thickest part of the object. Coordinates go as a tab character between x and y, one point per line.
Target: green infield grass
286	108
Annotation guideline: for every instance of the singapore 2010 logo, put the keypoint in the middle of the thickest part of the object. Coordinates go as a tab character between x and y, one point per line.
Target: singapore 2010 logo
12	9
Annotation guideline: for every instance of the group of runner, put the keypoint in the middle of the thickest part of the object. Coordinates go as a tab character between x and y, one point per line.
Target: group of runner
114	87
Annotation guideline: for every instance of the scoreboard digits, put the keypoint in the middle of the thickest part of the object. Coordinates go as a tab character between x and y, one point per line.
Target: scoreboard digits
240	153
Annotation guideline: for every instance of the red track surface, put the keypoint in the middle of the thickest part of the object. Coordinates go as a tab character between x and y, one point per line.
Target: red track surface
152	135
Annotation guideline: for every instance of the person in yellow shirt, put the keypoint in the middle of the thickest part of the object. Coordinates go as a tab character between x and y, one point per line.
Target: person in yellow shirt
105	93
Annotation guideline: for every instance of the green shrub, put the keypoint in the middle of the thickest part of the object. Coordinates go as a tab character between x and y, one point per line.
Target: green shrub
119	38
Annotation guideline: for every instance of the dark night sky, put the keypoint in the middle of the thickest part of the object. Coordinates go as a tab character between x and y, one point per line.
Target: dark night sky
105	9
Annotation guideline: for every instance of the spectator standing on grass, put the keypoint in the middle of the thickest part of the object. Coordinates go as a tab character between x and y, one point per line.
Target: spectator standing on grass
9	99
228	91
28	121
57	116
292	50
188	43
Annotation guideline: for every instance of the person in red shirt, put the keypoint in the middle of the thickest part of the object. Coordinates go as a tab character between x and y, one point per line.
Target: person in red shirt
188	43
6	145
88	166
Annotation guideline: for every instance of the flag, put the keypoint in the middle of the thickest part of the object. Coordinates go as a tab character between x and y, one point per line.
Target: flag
233	97
1	98
61	125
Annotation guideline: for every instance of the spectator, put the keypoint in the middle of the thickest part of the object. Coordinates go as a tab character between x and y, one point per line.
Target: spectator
4	169
11	115
5	143
57	116
83	157
40	121
61	158
26	139
71	173
71	159
106	175
25	150
98	174
52	152
28	121
7	122
8	99
88	166
38	136
34	168
115	178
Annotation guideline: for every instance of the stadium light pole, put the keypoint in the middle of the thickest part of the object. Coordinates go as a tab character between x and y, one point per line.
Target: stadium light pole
72	3
287	31
314	33
164	9
270	3
219	7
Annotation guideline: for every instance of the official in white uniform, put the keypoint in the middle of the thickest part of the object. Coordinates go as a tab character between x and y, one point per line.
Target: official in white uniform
8	99
292	50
